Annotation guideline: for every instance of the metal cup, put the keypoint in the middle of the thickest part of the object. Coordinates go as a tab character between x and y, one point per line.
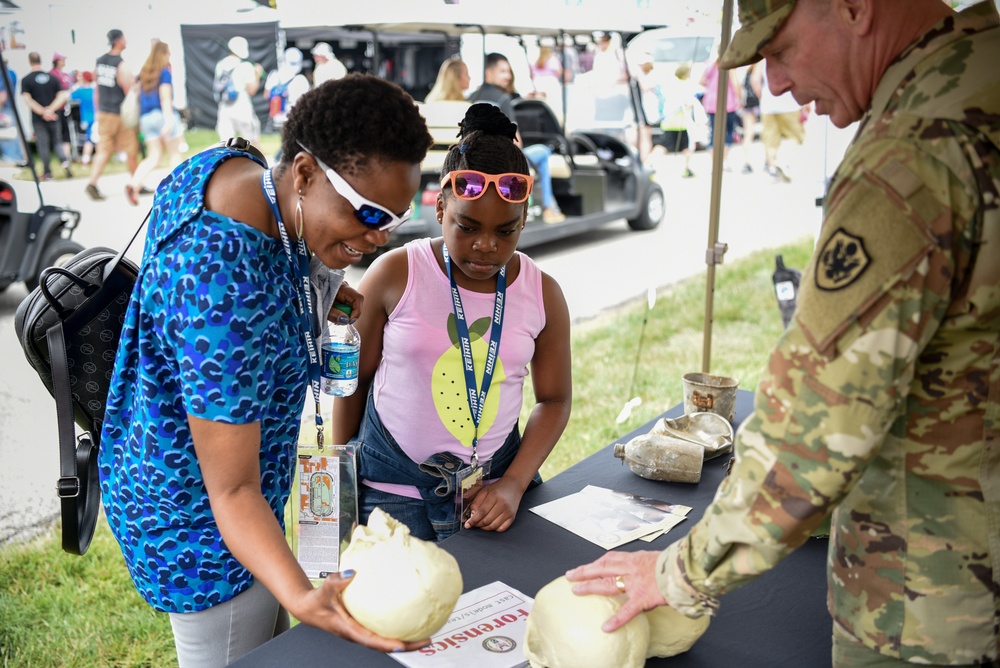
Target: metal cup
705	393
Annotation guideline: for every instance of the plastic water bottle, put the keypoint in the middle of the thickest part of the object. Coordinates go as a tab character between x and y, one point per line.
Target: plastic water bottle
341	347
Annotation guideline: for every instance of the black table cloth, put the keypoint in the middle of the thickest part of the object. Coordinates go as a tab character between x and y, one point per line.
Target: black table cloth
779	619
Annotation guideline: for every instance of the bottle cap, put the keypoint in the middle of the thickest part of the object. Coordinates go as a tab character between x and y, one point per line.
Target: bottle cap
345	308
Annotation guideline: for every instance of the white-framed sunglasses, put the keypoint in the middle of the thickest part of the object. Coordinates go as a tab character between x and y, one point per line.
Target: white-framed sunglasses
368	213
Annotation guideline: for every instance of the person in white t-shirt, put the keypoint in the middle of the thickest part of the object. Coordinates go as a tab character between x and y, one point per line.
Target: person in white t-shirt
327	67
237	118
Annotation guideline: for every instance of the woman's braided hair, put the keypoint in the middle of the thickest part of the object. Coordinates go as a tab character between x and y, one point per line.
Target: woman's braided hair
486	143
350	122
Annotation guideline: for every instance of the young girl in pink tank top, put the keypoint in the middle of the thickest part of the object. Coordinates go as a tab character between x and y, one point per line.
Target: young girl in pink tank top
450	328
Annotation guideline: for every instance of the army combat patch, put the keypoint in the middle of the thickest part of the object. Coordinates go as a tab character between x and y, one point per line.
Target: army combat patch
842	260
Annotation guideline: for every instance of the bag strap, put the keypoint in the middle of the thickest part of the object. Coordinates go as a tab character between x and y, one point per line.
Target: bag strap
78	484
243	144
110	267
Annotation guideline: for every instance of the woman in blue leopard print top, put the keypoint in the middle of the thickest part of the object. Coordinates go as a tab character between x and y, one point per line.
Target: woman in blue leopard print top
199	441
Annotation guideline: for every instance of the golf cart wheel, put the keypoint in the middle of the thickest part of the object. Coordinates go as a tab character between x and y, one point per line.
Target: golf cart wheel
58	253
652	211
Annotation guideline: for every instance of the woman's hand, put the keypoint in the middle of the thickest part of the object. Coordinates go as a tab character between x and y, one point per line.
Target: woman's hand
495	506
229	456
323	608
347	295
637	571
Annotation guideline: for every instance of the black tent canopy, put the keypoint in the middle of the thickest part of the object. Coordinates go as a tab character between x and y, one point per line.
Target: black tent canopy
205	45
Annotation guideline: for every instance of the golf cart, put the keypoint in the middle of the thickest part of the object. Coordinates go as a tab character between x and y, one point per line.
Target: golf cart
597	176
31	237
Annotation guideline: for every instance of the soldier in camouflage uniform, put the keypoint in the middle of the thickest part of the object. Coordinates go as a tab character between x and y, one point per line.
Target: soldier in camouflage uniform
881	402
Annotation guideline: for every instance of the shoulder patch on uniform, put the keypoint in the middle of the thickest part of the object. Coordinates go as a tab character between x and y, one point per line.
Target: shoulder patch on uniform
870	241
841	261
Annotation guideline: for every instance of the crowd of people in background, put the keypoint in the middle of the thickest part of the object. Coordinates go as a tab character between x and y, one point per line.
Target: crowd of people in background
84	123
73	115
679	106
684	111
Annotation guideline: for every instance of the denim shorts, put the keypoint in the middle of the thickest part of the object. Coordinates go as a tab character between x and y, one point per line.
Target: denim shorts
433	516
151	124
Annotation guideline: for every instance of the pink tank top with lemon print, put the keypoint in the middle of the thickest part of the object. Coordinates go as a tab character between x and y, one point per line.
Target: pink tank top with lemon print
419	388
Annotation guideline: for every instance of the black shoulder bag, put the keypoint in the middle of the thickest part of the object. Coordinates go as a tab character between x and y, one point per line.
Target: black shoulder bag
70	327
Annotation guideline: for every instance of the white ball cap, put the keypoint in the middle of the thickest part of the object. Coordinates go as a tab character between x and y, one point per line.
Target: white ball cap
240	47
323	49
293	58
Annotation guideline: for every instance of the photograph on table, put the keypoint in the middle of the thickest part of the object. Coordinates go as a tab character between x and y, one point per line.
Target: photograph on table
609	518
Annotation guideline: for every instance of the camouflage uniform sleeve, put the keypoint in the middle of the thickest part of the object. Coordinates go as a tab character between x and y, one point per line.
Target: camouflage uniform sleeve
872	296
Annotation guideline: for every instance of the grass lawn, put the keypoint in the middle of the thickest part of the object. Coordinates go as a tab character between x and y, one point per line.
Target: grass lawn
61	610
609	368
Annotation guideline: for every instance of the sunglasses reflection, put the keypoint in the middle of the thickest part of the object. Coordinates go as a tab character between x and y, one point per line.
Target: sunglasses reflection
470	184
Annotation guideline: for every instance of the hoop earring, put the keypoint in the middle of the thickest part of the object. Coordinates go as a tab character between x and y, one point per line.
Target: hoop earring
299	218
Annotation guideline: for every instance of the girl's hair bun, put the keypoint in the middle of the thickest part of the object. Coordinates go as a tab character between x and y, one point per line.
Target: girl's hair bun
488	119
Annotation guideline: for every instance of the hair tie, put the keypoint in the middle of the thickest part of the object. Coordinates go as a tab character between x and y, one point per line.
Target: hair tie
462	148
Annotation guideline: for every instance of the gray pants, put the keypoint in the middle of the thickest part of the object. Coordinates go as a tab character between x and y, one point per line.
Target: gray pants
223	633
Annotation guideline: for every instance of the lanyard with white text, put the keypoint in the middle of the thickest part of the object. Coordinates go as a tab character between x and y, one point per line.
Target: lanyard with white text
304	307
476	401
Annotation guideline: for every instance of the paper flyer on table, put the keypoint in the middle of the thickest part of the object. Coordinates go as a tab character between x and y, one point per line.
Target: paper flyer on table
485	630
611	518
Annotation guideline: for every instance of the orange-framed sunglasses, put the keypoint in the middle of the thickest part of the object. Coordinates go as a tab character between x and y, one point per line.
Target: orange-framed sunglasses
470	184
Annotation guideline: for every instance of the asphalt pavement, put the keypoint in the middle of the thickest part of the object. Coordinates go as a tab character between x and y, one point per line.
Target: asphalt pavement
598	271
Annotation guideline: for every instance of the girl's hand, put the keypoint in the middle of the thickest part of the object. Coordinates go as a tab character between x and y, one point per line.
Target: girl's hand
347	295
494	507
323	608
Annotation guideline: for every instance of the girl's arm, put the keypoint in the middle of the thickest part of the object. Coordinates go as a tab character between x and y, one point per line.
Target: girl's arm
735	88
704	76
381	286
495	506
167	107
757	78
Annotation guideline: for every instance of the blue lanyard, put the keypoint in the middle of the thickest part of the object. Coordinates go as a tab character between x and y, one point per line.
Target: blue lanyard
477	401
303	306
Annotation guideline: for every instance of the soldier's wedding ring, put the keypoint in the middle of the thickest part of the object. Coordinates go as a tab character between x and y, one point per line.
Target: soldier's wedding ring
620	583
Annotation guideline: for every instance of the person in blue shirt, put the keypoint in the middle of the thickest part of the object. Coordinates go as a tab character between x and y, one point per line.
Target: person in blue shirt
83	95
212	370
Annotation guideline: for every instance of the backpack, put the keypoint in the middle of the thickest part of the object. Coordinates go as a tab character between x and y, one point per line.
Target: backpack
223	89
69	328
278	99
